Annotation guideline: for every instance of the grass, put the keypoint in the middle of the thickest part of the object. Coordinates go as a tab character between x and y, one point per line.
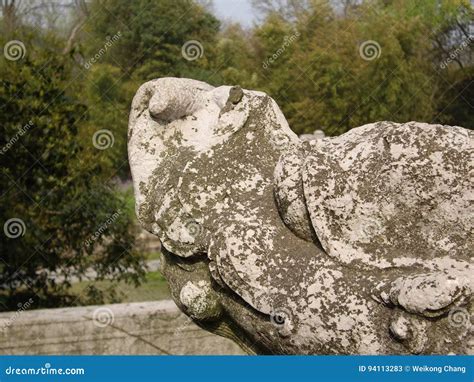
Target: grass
153	256
154	288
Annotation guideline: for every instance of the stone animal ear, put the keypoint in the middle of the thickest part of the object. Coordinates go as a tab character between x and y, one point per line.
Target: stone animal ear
168	99
171	104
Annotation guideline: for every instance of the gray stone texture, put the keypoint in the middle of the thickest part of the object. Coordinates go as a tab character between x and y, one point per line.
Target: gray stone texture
357	244
156	327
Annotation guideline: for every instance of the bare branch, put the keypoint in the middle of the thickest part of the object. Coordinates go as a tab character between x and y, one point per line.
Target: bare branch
84	13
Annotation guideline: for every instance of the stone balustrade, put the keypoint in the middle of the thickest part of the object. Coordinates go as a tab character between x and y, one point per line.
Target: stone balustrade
156	327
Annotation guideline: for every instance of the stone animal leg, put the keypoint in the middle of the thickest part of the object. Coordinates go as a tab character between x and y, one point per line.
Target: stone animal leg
410	331
426	294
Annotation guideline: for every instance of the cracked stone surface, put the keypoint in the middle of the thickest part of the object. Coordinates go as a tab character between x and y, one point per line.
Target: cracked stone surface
357	244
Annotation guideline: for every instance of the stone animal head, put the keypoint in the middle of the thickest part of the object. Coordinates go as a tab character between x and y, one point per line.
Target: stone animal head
203	162
180	141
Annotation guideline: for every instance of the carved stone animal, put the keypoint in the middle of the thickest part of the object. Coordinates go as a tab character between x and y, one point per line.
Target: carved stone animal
357	244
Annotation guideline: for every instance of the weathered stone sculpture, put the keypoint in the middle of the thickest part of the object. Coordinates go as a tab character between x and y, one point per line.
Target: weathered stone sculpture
358	244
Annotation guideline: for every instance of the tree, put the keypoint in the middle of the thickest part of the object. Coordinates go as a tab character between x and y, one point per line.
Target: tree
375	61
152	34
58	212
235	56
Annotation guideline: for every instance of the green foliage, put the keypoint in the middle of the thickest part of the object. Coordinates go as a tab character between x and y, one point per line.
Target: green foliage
323	82
234	59
151	35
108	102
56	183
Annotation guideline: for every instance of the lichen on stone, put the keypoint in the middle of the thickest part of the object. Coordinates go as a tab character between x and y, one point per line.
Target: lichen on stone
357	244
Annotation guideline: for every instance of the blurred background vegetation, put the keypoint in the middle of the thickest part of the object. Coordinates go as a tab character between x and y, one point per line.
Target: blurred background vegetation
83	61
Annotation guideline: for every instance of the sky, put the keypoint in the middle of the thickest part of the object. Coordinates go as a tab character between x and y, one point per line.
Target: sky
235	10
